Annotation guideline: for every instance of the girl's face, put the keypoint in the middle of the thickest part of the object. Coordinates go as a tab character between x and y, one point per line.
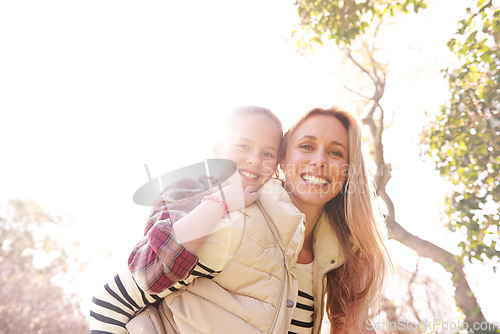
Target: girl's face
316	161
252	142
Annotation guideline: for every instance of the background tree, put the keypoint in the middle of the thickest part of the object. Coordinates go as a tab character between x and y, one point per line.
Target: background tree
345	23
419	299
34	257
343	20
464	138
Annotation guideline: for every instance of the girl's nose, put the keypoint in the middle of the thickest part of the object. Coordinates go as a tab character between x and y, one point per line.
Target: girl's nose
254	159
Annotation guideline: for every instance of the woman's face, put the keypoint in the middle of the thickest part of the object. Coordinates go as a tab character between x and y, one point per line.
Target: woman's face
316	161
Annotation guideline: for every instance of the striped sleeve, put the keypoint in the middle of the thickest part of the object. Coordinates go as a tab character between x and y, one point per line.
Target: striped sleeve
121	299
116	303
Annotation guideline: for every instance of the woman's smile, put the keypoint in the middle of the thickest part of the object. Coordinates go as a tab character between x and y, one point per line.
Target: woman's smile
315	180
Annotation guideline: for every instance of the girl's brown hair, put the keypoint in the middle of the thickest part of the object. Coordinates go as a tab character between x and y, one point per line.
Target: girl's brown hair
353	290
255	110
249	110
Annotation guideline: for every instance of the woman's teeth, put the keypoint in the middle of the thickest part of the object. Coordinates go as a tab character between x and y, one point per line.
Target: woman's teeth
314	180
249	175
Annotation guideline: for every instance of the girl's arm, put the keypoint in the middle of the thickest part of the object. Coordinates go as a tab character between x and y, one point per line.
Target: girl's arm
116	304
192	230
158	261
166	253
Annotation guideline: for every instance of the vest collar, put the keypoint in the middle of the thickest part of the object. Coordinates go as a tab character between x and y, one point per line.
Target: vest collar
284	215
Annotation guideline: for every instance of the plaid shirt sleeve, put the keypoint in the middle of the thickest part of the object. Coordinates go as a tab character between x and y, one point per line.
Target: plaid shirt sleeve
159	260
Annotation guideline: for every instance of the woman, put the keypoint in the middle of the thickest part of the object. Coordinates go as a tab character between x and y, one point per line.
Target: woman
325	175
309	244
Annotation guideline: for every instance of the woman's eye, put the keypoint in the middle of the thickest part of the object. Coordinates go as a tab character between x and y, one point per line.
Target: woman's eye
306	147
243	146
336	154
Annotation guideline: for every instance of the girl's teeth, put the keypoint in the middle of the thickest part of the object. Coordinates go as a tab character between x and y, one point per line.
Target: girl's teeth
315	180
250	176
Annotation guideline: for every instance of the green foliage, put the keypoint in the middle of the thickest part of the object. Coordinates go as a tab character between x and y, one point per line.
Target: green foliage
343	20
465	137
33	254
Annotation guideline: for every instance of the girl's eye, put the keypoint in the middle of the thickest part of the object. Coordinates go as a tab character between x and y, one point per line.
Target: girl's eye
243	146
268	155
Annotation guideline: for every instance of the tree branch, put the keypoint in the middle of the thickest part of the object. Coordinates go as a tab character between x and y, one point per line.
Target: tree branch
361	67
463	296
410	300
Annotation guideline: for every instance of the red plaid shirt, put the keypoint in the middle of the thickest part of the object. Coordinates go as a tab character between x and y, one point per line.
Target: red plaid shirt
158	261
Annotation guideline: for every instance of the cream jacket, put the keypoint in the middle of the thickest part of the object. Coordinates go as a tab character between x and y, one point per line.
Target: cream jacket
255	291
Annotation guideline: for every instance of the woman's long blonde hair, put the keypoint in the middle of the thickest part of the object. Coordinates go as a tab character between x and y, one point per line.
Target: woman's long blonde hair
353	290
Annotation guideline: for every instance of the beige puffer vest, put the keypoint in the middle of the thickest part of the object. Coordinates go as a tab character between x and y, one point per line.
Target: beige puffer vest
256	290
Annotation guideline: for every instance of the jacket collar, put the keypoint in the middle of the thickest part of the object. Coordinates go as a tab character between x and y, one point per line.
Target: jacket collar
284	215
327	250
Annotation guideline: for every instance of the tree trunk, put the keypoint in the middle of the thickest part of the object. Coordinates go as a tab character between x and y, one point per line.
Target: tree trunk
464	297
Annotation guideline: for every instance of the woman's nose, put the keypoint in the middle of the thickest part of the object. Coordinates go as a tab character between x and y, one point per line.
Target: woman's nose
319	159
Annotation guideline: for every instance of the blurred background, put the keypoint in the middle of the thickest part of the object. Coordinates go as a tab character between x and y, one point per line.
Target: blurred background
92	91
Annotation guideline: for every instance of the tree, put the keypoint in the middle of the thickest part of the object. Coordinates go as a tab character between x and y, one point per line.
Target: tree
345	22
465	136
32	259
409	312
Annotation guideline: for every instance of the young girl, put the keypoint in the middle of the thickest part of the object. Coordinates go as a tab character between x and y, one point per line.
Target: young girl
179	224
284	272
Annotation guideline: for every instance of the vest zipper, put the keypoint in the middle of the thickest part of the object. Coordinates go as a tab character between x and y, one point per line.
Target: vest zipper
294	260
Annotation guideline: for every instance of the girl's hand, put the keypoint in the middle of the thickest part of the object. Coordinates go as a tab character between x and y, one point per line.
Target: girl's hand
237	197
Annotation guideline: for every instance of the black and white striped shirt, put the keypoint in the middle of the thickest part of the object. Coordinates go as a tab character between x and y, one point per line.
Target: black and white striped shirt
302	321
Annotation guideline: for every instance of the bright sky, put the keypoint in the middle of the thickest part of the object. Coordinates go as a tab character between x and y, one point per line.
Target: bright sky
91	91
